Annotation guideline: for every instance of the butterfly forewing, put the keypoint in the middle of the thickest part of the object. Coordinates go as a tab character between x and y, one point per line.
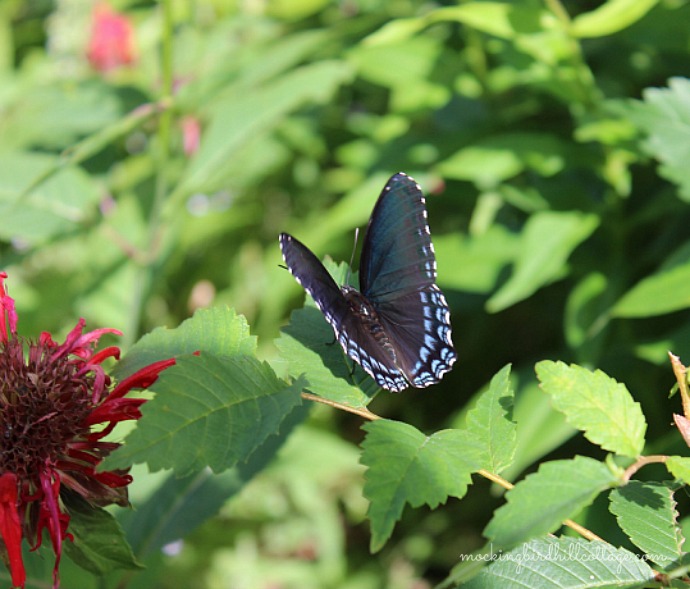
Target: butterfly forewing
397	255
314	278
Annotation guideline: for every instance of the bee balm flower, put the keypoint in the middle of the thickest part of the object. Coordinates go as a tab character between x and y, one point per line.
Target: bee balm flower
56	405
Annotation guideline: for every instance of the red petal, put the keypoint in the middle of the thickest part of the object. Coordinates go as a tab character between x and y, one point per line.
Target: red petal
141	379
8	314
11	527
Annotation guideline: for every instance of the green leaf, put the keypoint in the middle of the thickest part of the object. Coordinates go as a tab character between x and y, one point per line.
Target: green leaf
218	330
664	115
679	467
611	17
490	161
179	505
245	113
597	405
587	305
500	19
646	512
541	429
405	466
208	411
308	345
491	424
547	241
55	207
661	293
99	544
473	263
564	563
542	501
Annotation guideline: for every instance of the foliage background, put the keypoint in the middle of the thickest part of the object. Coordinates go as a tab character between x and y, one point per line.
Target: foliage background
551	138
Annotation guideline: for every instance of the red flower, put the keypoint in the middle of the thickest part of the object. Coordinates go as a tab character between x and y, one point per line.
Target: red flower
191	135
51	397
111	44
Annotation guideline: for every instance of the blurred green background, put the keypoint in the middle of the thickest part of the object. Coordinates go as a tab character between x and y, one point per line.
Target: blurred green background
151	152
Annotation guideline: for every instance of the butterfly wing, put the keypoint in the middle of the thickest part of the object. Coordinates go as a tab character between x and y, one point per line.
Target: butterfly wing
356	340
418	325
315	279
398	274
397	255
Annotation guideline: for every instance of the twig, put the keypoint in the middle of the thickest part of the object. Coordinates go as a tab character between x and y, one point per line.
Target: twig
362	412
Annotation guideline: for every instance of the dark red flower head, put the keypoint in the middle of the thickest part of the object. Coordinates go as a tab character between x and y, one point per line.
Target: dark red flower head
56	406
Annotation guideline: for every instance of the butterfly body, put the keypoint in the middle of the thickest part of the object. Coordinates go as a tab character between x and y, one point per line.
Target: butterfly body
397	327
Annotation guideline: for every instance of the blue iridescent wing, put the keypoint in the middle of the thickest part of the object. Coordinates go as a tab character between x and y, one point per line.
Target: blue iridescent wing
353	336
397	255
398	275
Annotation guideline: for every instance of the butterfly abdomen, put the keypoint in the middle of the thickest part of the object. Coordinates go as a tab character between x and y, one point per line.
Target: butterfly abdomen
362	308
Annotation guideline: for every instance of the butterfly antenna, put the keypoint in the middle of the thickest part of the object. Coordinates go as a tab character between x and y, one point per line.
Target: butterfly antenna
352	257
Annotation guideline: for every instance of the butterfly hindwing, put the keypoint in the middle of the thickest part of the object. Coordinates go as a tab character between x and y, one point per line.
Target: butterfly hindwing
361	346
419	324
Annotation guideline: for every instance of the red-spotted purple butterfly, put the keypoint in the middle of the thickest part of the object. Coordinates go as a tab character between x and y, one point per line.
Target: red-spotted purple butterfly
398	326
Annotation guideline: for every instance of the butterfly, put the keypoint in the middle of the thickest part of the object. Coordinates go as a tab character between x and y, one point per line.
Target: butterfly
397	327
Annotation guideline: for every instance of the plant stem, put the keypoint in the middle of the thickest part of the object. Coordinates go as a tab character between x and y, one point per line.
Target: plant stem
162	153
366	414
642	461
362	412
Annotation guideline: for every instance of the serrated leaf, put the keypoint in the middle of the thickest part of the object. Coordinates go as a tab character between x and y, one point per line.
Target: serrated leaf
179	505
220	331
646	512
308	344
99	544
547	241
657	294
564	563
405	466
491	424
543	500
679	467
610	17
208	411
541	429
596	404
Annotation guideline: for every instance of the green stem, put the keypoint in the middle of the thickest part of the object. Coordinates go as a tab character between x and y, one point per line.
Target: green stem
589	94
162	155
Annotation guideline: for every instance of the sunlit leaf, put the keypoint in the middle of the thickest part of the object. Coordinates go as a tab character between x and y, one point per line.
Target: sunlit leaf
542	501
596	404
564	563
491	424
208	411
547	241
407	467
612	16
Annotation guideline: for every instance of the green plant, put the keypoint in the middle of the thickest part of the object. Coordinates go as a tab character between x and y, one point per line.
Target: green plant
550	139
